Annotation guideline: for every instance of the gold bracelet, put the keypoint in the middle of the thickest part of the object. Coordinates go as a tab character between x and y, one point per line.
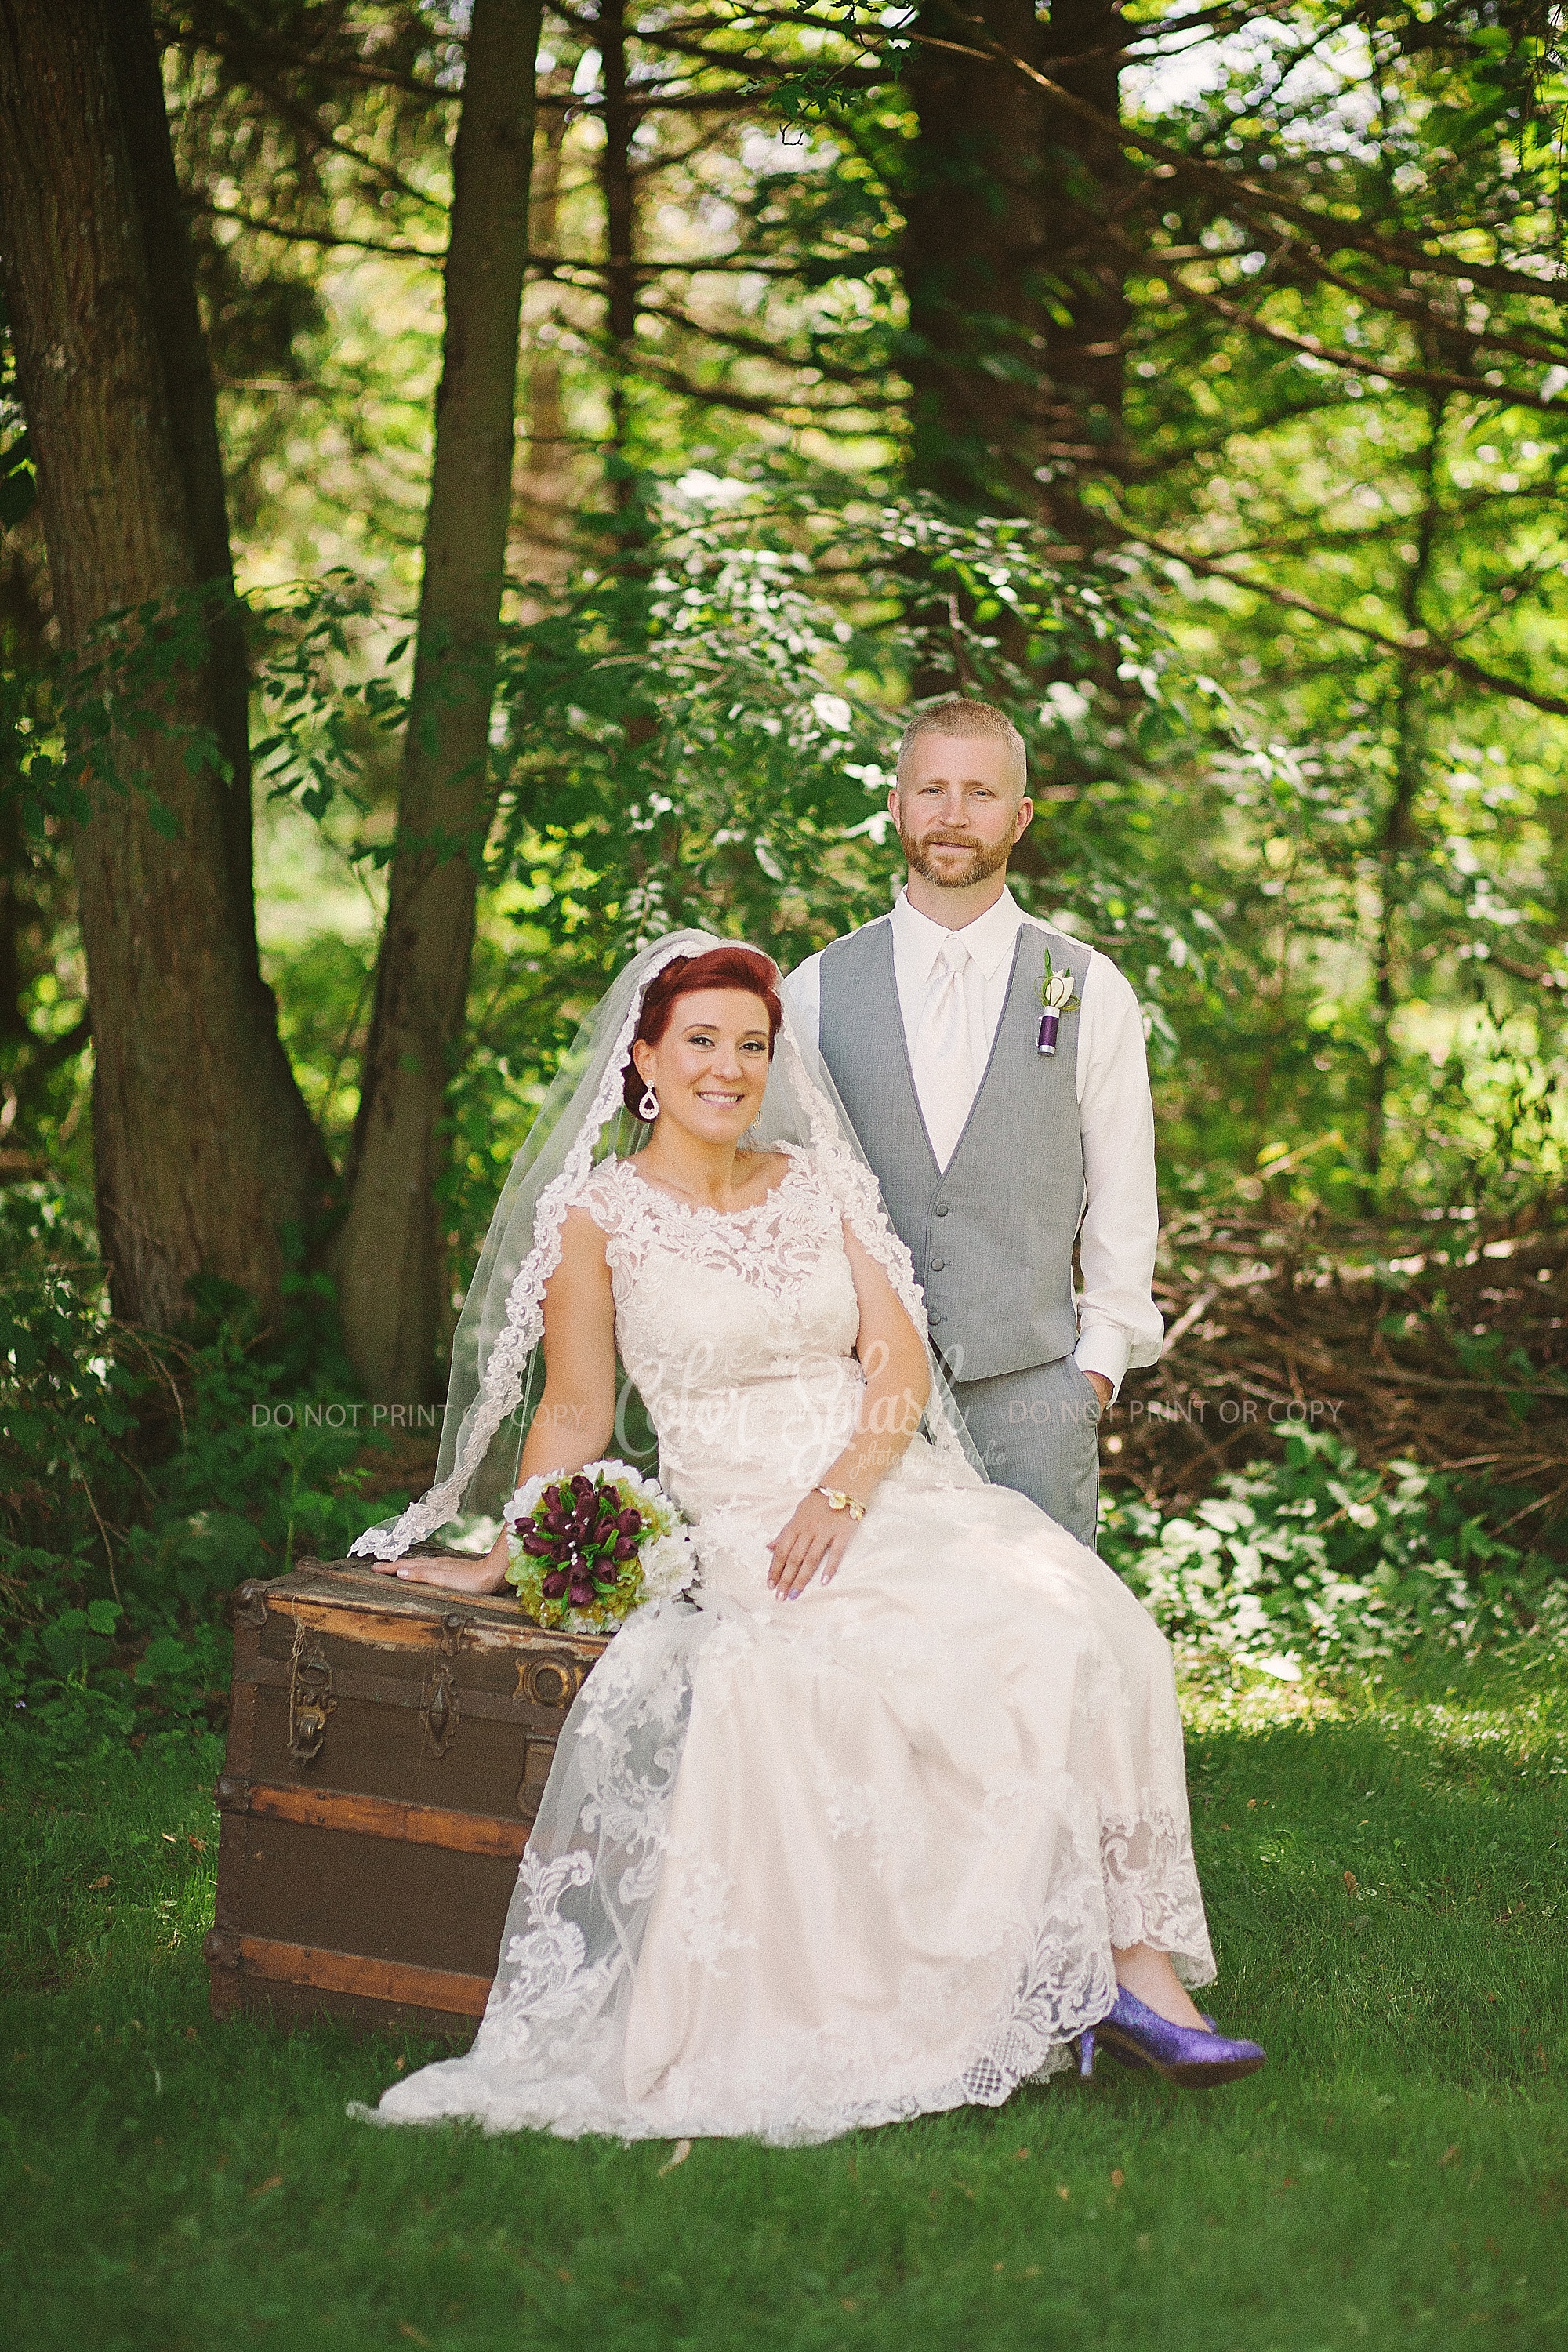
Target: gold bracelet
839	1501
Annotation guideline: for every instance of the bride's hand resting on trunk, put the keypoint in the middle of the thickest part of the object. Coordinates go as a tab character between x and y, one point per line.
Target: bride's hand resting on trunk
487	1575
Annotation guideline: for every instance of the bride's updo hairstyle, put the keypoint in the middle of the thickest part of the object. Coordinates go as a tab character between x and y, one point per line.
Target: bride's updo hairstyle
739	968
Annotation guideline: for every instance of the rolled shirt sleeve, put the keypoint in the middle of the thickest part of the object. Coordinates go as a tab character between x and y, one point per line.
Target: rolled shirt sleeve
1120	1326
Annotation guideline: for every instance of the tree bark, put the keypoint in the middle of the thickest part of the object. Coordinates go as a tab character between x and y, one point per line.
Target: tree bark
1087	178
974	235
619	187
203	1145
548	498
389	1259
1395	843
1013	290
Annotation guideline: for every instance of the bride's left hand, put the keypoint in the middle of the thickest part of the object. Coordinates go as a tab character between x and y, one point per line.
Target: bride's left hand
816	1538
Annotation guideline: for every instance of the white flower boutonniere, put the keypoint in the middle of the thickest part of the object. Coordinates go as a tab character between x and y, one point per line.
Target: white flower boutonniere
1058	996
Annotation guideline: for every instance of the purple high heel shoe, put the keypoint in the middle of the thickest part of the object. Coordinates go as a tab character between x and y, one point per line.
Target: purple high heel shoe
1140	2036
1127	2058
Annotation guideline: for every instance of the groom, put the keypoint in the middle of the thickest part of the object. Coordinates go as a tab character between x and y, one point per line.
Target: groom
994	1157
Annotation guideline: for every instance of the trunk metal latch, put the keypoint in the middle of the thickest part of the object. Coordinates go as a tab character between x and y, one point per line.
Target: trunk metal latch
311	1701
440	1712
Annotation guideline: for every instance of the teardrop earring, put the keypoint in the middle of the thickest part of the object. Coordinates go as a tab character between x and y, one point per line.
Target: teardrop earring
648	1106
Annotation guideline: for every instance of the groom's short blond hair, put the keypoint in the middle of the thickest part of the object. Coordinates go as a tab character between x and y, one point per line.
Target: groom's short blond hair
964	714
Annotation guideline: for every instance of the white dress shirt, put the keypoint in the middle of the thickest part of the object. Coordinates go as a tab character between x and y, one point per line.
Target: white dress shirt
1119	1324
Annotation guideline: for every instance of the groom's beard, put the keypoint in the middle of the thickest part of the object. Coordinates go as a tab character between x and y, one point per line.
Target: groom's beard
982	862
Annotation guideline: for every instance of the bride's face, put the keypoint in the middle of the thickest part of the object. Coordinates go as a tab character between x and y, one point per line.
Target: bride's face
710	1066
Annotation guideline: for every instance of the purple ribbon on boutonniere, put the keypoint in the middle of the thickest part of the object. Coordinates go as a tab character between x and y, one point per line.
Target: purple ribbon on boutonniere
1057	997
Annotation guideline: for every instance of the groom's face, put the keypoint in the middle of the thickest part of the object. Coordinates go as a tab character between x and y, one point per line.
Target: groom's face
958	808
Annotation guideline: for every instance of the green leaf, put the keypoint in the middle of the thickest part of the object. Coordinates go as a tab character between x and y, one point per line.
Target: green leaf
164	1656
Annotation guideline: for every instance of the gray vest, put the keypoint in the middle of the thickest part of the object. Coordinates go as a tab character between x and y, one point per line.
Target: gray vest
992	1234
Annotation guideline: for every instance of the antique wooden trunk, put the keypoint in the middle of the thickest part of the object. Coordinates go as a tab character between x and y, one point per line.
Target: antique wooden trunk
387	1749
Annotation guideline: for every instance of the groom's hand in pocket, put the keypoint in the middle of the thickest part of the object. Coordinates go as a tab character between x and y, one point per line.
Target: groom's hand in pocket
815	1539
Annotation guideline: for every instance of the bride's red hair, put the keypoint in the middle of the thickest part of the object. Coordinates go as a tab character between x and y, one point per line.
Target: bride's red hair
744	969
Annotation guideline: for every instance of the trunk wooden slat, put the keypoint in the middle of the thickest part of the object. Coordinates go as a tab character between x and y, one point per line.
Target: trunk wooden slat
388	1747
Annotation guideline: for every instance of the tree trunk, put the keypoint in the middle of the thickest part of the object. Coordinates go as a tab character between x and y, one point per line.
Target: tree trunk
1395	841
619	188
1086	181
975	236
1013	290
389	1259
204	1147
546	507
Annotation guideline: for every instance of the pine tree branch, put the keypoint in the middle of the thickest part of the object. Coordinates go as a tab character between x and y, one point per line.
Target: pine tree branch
745	405
754	346
243	55
1162	259
1423	651
741	265
1410	307
1248	195
1301	548
1416	379
328	239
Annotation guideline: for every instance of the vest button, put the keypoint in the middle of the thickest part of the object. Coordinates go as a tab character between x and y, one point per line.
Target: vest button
937	1319
942	1208
938	1264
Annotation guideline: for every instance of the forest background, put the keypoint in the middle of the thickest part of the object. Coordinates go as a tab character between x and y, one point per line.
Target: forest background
481	485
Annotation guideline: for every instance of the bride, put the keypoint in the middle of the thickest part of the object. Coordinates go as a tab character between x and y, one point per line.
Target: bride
892	1813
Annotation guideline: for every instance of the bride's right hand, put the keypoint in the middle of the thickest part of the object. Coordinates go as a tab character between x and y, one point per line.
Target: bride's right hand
815	1539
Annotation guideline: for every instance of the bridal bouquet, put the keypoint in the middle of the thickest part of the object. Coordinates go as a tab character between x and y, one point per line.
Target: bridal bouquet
588	1550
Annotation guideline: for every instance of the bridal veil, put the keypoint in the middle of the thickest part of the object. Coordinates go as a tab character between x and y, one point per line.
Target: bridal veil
496	1366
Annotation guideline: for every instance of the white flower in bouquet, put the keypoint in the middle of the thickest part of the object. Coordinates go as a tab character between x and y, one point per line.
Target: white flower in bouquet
669	1564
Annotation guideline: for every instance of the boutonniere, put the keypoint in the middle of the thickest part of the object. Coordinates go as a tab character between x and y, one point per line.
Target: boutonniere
1057	997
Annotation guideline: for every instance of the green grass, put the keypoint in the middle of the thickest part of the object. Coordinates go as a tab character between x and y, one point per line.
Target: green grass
1398	2176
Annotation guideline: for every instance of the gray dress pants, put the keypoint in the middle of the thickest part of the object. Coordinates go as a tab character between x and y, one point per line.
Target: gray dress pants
1037	1430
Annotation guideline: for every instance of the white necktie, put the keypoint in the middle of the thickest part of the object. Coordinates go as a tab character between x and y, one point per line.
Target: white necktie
944	1061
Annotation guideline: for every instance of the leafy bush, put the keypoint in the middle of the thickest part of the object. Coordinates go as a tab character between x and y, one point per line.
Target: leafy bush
142	1477
1316	1558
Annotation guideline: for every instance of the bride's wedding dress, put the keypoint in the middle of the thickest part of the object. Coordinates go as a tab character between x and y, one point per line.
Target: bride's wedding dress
857	1856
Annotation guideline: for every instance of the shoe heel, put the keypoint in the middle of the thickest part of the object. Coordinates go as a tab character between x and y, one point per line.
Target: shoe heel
1086	2056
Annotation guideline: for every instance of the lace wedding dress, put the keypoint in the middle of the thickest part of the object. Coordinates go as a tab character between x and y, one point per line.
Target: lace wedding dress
807	1865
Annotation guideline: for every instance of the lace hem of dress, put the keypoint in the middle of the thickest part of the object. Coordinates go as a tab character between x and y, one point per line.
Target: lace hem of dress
1151	1891
552	2051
